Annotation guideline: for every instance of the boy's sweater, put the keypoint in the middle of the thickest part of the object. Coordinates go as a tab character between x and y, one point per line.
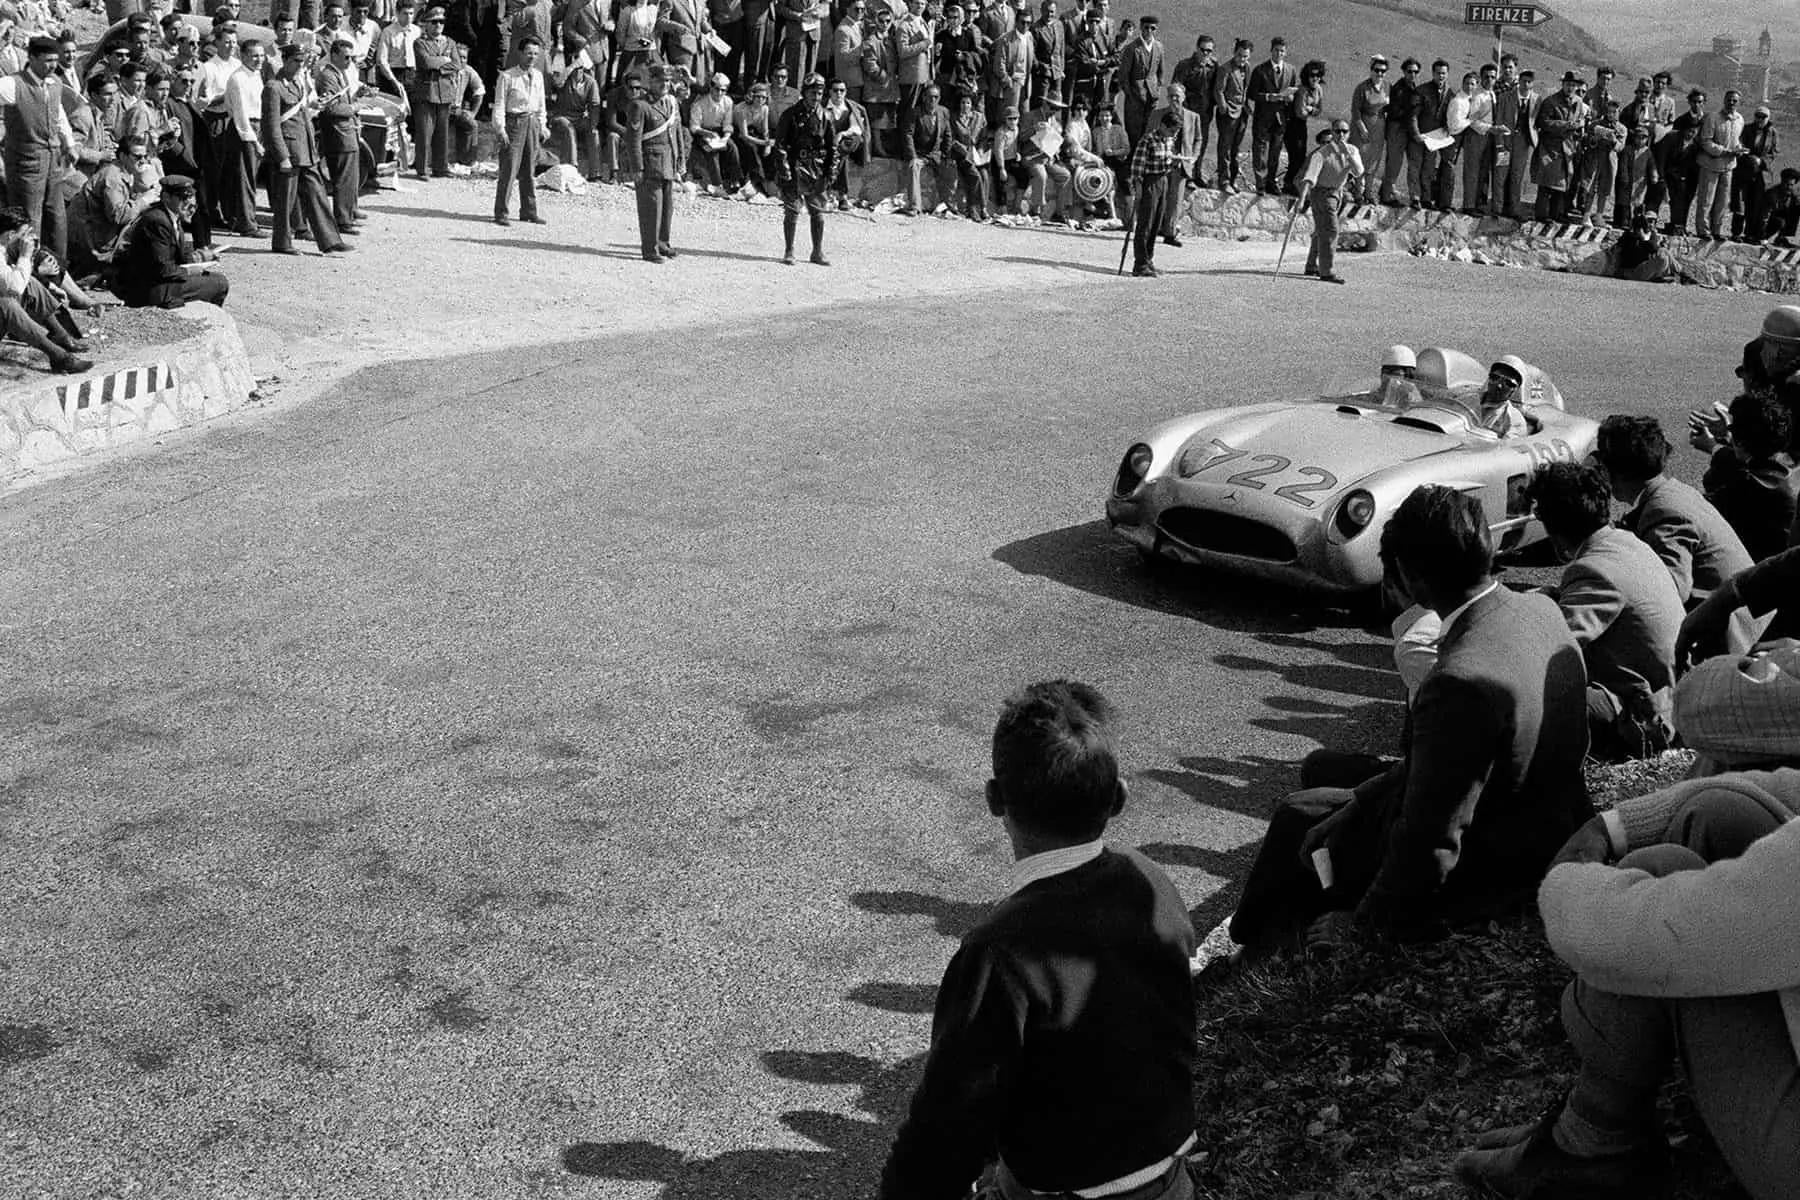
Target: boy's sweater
1063	1041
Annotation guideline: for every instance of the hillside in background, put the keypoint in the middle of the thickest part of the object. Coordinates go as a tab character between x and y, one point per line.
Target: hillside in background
1660	33
1344	33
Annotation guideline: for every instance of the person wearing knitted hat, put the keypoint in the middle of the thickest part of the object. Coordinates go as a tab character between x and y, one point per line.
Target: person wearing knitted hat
1677	912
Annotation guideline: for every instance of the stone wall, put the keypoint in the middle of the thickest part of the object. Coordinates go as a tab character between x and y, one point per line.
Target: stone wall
47	418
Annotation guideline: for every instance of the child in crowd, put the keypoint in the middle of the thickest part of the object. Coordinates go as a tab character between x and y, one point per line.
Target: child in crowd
1063	1041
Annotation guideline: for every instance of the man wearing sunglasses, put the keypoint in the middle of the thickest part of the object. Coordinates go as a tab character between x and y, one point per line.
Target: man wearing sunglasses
1332	171
1368	122
1404	151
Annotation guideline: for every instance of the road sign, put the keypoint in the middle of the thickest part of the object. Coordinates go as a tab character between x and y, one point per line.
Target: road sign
1505	14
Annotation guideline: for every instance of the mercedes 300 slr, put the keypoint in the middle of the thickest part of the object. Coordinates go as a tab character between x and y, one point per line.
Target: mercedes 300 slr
1298	491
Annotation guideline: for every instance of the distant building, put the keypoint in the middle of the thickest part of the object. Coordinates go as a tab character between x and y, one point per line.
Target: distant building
1726	65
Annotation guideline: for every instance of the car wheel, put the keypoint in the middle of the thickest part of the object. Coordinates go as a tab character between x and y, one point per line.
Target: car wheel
367	156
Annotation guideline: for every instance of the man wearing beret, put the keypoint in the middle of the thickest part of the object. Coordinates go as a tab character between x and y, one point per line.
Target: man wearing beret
651	153
151	266
437	84
38	140
290	148
806	162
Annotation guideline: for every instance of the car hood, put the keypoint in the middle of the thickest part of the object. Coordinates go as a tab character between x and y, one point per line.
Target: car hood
1350	443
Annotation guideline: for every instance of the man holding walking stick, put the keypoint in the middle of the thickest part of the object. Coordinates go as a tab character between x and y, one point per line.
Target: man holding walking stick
1331	168
1151	163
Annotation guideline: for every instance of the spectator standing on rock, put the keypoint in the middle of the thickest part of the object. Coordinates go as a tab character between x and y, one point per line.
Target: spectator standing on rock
290	148
1231	113
800	21
961	58
651	153
1600	149
1437	168
521	119
1197	73
37	134
1511	156
1141	73
1636	174
1405	153
1009	70
1368	124
1308	102
1096	57
1719	148
1049	55
1560	122
1273	85
846	50
1478	147
912	56
151	266
806	162
1331	172
881	84
1750	178
1680	153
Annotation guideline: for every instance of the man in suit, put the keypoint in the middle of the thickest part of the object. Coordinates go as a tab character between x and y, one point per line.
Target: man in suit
961	58
1272	87
1491	784
437	85
183	149
1141	74
800	20
1231	111
1187	149
925	145
1196	74
911	35
290	149
1621	606
1048	55
650	153
151	265
1692	538
1096	58
1514	110
759	39
592	22
1009	70
1437	170
340	133
683	25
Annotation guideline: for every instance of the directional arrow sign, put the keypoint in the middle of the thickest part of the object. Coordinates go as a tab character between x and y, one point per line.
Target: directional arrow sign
1505	14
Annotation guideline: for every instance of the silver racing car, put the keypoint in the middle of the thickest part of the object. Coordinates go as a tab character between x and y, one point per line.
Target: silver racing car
1298	491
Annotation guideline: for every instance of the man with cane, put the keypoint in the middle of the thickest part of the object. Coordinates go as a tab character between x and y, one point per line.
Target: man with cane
1331	168
1151	163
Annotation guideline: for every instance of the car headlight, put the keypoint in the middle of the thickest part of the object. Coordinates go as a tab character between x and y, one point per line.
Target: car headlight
1132	471
1355	513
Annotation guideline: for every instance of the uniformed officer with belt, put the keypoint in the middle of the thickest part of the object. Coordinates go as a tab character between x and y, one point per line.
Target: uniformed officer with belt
1330	169
806	162
651	154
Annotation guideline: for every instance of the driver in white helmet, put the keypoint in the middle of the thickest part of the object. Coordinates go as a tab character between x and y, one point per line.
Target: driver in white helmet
1502	412
1396	388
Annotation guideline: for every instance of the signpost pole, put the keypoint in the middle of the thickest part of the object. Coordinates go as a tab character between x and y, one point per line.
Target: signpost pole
1498	50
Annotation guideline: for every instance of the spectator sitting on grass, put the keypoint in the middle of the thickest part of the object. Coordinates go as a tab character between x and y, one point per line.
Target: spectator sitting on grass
1677	912
1491	783
1621	606
1063	1040
1751	477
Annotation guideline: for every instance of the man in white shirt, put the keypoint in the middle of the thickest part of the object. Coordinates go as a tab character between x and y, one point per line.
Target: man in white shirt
243	142
361	31
209	98
1456	124
1718	149
521	121
37	130
1478	146
395	45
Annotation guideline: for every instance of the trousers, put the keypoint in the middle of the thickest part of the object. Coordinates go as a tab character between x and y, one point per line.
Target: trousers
201	289
33	183
1146	221
1319	254
1712	196
1477	170
300	185
238	202
1403	155
1231	145
431	137
518	161
655	210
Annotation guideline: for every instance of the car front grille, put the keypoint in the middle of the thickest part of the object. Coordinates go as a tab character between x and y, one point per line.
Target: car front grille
1226	533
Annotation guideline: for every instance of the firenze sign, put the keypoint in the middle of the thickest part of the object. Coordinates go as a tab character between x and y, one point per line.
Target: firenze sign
1504	14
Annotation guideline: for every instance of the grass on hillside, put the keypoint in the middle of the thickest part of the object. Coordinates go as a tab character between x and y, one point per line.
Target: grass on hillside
1363	1075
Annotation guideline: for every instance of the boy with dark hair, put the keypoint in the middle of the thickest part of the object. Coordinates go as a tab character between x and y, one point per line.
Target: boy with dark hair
1750	479
1621	606
1062	1048
1464	826
1696	543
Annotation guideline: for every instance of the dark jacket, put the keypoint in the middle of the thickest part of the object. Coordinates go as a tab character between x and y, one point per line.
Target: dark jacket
151	252
289	142
650	132
1695	542
1755	498
929	136
1622	608
1492	782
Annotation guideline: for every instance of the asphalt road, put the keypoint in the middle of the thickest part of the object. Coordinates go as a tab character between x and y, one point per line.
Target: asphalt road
558	772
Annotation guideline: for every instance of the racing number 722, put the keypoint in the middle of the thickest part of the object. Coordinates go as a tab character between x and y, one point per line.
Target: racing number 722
1318	478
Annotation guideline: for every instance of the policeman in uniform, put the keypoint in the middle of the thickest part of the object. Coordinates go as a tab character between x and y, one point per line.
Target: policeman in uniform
1332	168
651	154
806	163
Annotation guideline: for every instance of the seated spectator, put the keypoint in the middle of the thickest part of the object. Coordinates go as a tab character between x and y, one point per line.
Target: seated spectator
152	265
1063	1042
755	140
1771	586
1501	412
970	153
1676	911
1003	158
1751	477
105	205
1040	145
1077	151
854	134
1491	783
1113	146
575	111
925	145
1781	208
1621	606
1696	544
469	98
29	314
714	153
1738	713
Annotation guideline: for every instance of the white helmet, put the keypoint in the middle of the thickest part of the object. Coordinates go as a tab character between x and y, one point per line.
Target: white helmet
1513	363
1400	356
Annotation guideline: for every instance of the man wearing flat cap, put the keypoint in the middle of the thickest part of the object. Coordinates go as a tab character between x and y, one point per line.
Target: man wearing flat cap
151	268
1141	77
806	157
437	85
1561	122
1750	177
651	153
38	140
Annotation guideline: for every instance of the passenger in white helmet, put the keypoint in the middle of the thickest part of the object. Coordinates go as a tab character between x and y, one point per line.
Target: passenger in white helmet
1396	388
1502	412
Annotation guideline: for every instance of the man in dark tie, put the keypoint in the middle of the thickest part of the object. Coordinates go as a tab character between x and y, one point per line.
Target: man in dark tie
1272	87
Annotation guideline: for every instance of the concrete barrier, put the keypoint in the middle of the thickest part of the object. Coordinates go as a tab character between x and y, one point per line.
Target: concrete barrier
1490	241
45	419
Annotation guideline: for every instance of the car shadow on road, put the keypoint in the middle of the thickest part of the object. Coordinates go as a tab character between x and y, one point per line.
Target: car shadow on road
1087	557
